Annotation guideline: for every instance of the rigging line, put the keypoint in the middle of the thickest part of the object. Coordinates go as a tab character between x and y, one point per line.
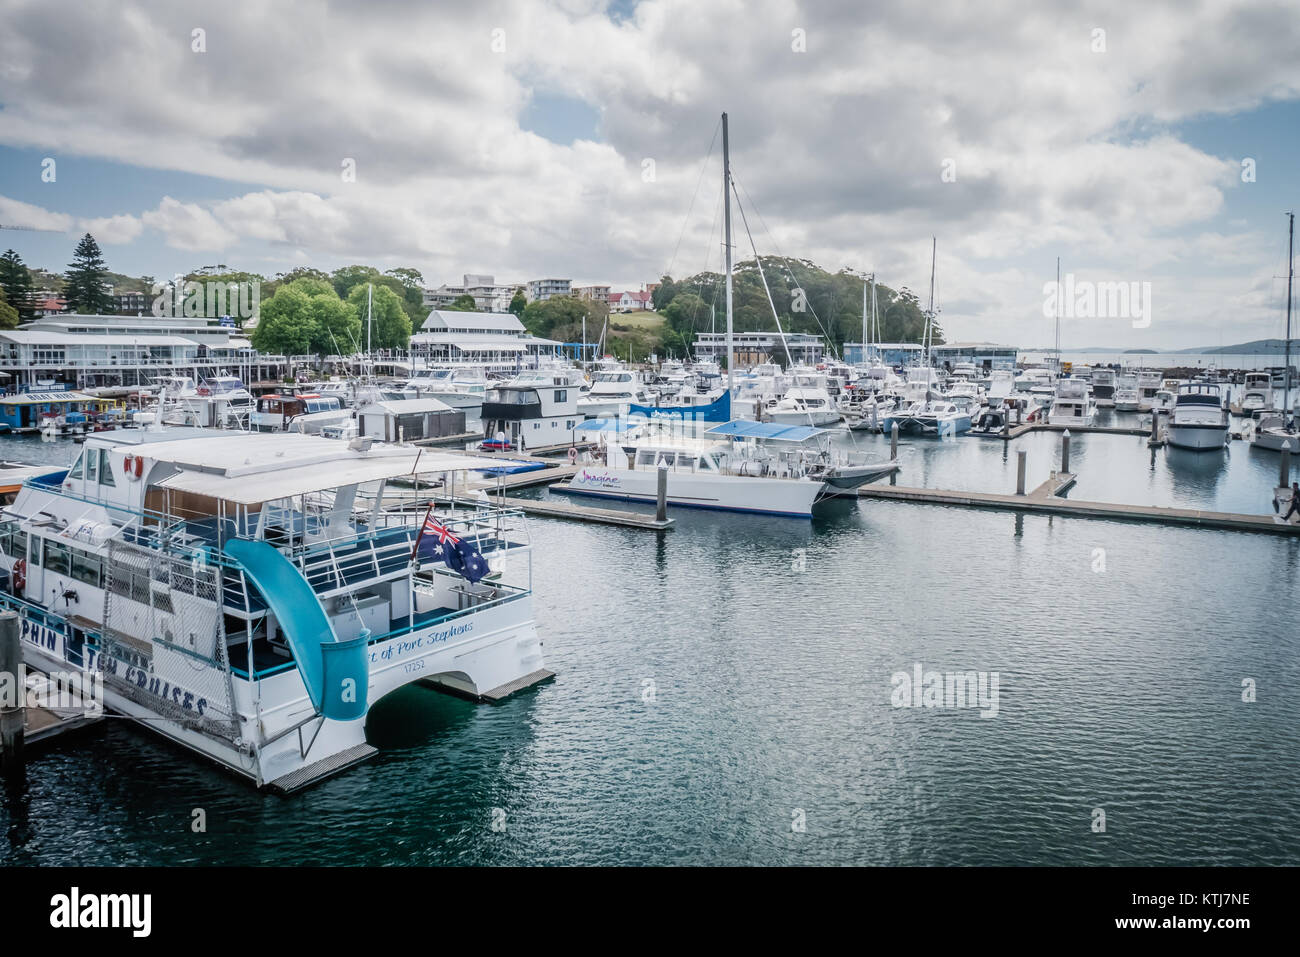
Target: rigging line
763	277
785	262
695	195
708	246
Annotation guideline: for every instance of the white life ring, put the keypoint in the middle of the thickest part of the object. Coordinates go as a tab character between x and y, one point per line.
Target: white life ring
573	455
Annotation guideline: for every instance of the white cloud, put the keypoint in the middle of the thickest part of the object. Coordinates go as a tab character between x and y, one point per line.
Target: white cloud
14	212
188	226
1058	150
112	229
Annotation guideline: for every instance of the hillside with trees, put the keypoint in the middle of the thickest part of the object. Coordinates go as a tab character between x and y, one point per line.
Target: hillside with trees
807	299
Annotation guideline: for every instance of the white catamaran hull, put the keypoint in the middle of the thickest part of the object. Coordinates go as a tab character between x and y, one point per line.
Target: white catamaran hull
476	654
735	493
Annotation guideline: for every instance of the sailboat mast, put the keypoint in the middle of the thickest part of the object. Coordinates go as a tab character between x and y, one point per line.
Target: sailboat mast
726	199
929	318
1058	315
864	322
1290	274
875	319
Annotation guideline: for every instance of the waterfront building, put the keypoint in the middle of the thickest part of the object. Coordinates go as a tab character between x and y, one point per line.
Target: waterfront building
755	348
495	340
117	351
890	353
984	356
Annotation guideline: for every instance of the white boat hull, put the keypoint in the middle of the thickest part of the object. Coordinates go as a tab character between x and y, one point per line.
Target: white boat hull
457	400
816	417
732	493
1272	440
1197	437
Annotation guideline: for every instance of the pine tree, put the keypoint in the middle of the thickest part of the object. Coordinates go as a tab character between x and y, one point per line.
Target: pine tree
16	282
85	277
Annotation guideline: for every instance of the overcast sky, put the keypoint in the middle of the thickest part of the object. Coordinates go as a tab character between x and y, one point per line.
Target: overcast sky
569	139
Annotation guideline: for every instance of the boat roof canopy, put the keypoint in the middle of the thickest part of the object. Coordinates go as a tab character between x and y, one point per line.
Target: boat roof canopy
250	469
772	431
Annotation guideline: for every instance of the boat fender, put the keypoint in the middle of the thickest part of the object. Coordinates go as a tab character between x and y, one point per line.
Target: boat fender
19	576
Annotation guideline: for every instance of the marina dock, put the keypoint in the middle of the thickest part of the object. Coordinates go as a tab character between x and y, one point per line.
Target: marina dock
43	725
583	513
1016	431
1046	499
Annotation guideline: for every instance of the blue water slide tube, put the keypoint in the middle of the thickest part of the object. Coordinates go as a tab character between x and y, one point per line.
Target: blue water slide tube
335	672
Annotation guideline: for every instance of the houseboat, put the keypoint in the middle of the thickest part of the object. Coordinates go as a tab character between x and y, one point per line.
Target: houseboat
534	410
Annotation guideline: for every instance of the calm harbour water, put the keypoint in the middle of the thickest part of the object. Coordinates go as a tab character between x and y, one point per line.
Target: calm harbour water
1119	689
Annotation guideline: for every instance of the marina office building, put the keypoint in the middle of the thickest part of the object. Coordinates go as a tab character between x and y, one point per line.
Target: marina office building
495	340
127	351
752	348
982	355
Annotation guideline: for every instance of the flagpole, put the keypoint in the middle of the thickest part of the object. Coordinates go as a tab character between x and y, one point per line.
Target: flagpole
419	535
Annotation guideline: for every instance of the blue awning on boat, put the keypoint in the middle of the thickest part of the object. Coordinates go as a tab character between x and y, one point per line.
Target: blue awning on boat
774	431
605	425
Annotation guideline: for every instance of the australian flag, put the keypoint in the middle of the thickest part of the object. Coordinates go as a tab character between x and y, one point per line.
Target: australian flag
436	543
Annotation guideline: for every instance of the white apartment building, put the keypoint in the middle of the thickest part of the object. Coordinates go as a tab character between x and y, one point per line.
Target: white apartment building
539	290
488	294
597	293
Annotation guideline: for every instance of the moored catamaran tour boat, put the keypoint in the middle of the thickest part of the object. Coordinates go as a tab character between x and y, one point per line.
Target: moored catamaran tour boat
737	466
250	596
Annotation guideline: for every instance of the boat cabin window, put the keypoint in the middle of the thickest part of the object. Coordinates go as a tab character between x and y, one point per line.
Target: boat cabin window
652	458
56	557
105	470
13	540
87	568
76	472
92	465
561	395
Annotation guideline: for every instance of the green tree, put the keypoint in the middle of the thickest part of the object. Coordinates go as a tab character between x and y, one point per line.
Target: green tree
286	325
85	279
685	312
392	326
518	303
347	278
664	293
560	314
336	330
16	282
314	286
409	278
463	303
8	314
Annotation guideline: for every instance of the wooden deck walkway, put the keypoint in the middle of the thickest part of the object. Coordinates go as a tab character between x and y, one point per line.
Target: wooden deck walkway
1046	500
583	513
